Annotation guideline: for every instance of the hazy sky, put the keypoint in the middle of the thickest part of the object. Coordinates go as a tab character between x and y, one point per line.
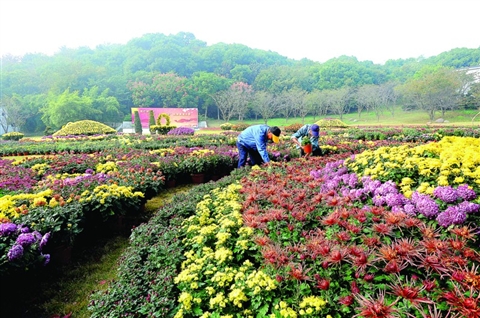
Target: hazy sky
375	30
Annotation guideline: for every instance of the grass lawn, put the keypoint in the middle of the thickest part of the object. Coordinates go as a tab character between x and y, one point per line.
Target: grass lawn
456	118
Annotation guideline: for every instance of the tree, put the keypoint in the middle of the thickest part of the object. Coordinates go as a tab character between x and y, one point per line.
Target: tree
434	89
337	100
266	105
137	123
12	113
389	96
234	100
169	89
286	105
300	106
316	103
368	96
106	108
206	85
67	107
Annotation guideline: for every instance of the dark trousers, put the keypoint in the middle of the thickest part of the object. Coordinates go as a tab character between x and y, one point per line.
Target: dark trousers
316	152
244	152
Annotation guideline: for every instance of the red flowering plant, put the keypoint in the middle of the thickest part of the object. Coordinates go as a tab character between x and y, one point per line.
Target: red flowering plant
320	234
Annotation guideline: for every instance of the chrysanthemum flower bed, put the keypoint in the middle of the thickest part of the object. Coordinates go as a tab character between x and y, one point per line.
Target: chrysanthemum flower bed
322	238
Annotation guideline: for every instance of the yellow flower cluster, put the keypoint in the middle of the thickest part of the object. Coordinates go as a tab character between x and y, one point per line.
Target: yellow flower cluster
40	168
284	311
106	167
202	152
9	204
213	233
259	280
451	161
162	152
328	148
311	304
105	191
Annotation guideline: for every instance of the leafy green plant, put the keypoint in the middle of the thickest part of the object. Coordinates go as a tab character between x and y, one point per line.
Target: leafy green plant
64	221
306	141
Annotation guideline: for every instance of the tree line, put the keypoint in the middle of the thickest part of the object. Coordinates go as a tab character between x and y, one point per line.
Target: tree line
225	81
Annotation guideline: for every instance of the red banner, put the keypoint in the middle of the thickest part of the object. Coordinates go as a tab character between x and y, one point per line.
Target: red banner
180	117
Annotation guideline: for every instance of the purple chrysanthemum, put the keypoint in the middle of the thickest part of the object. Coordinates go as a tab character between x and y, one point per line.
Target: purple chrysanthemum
469	207
397	209
23	229
452	215
26	239
394	199
446	194
7	228
315	174
44	240
410	209
425	205
378	200
466	193
385	188
15	252
46	259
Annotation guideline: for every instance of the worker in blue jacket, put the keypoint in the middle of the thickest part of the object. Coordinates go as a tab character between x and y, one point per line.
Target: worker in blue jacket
308	131
252	142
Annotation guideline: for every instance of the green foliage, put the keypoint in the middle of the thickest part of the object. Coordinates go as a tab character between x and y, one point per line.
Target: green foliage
306	141
160	117
85	127
161	129
137	123
14	135
63	222
151	120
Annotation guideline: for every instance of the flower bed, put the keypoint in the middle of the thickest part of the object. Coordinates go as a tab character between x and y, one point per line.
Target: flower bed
312	238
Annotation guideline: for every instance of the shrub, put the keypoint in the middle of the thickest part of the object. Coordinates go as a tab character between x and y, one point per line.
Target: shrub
331	123
292	128
240	126
151	120
161	130
14	135
226	126
137	123
182	131
85	127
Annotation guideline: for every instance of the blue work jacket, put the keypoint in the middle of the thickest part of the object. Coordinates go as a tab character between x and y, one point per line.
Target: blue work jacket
255	138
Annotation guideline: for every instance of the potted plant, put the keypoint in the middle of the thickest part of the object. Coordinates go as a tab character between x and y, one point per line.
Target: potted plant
306	145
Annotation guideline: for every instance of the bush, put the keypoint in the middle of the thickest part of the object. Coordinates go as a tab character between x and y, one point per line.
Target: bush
331	123
161	130
226	126
85	127
14	135
137	123
292	128
182	131
240	126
